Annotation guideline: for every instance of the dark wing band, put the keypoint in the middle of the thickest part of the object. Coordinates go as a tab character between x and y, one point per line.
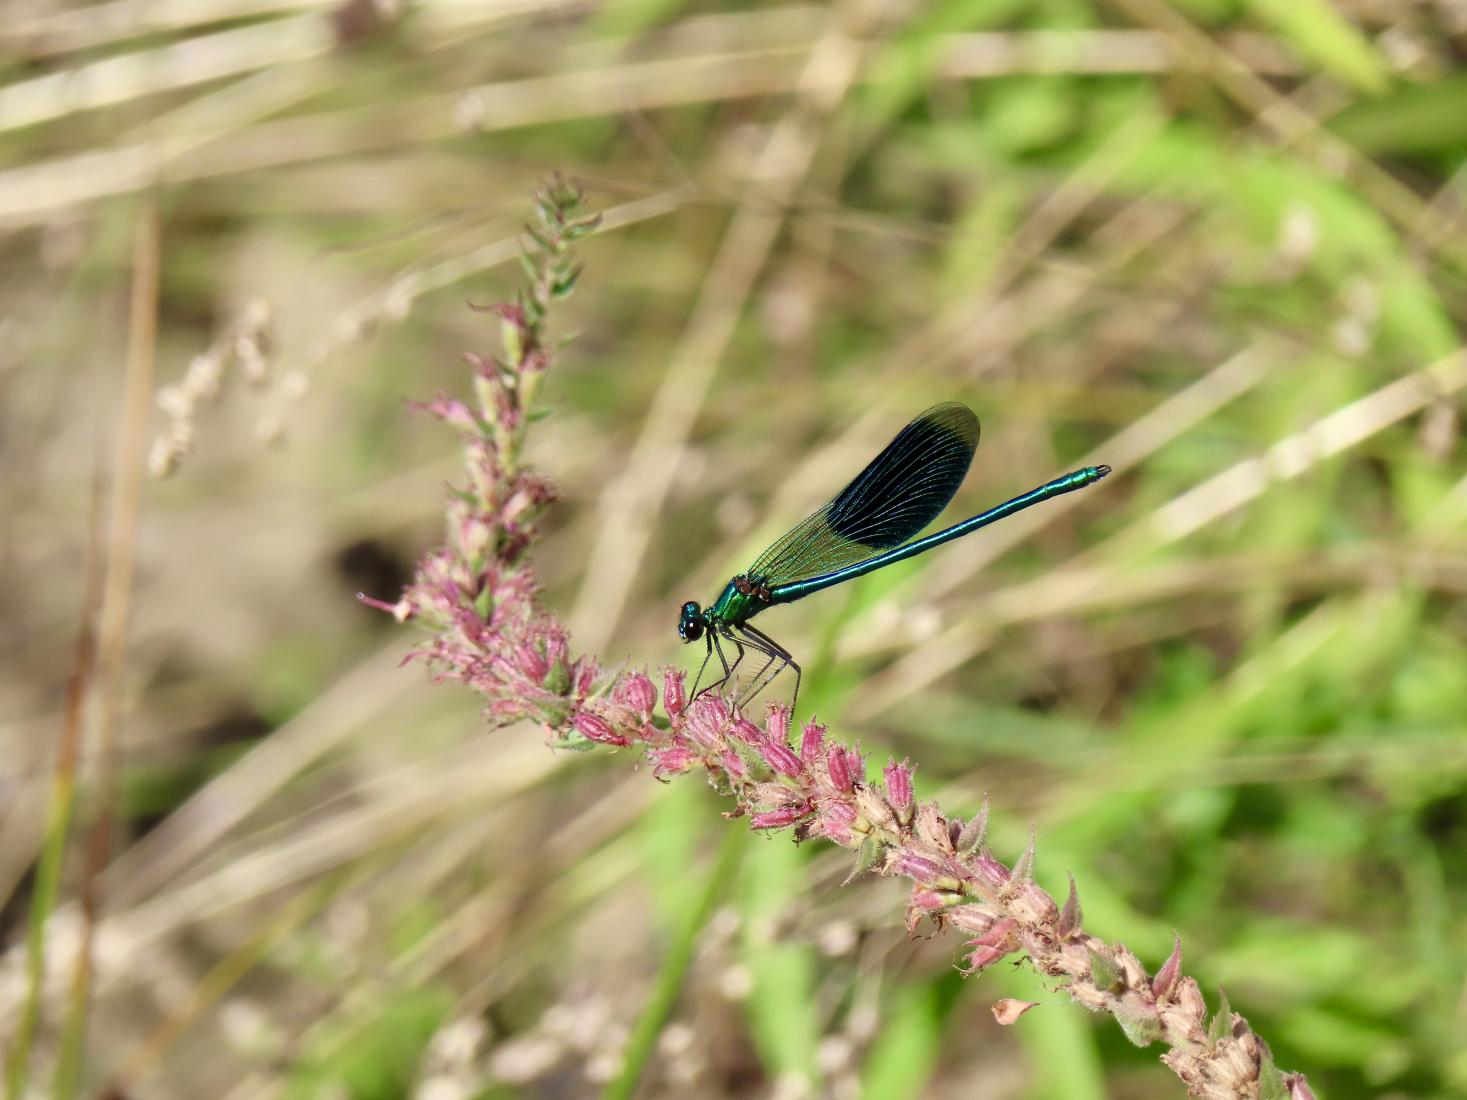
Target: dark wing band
900	492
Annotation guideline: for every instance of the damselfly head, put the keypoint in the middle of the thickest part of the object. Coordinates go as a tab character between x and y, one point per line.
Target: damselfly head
690	622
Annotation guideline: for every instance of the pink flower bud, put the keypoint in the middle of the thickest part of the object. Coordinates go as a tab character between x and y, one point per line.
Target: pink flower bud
1000	934
918	868
971	918
923	903
531	663
898	786
993	945
778	819
586	670
837	812
778	724
672	760
835	763
595	728
990	872
811	741
1165	982
982	958
637	693
672	692
732	764
927	900
779	757
747	732
706	720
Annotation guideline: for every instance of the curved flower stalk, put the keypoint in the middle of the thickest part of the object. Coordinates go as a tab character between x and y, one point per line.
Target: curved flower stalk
476	597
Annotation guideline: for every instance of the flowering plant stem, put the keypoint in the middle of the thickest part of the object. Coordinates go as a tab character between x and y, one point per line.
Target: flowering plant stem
476	598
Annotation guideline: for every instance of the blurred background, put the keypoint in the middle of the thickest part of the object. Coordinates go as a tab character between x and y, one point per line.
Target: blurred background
1218	244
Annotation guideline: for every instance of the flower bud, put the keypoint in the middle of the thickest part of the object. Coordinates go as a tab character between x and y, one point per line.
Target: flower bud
836	817
595	728
898	787
918	868
673	699
812	739
534	666
874	808
672	759
777	724
706	720
637	693
747	732
1165	982
779	818
835	763
971	918
779	757
990	872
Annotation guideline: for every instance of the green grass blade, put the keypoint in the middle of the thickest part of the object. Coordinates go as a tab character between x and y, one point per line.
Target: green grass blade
649	1025
1323	36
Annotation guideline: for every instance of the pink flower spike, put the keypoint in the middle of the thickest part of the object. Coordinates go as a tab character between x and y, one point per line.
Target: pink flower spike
777	725
811	742
898	786
595	728
778	819
673	700
780	757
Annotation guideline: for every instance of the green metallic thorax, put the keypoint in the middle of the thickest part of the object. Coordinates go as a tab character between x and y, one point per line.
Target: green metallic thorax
733	607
